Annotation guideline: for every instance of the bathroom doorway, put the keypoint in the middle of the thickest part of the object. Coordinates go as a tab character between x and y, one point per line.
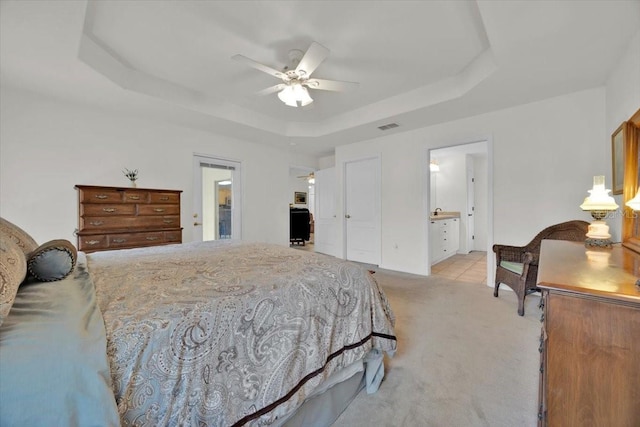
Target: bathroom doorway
460	181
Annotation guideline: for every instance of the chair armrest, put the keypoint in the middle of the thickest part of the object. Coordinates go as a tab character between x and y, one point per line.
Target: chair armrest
509	253
527	261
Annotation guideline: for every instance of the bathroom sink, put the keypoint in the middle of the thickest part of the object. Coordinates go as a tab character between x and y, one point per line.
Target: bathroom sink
444	215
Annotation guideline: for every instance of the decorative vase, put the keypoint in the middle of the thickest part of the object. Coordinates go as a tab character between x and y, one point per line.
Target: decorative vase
133	184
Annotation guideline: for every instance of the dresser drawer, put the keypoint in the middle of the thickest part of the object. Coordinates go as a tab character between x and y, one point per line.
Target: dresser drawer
126	240
92	243
98	223
164	198
136	196
87	209
98	195
173	236
158	210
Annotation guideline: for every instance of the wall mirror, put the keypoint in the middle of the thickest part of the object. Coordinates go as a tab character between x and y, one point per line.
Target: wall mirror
631	219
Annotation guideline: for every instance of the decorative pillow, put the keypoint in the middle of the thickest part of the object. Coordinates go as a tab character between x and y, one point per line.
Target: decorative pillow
52	261
18	236
13	269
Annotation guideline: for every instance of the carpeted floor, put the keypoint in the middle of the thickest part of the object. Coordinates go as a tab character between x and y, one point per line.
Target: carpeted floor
464	358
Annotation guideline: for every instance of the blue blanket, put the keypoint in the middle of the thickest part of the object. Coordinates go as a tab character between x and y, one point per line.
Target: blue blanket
53	362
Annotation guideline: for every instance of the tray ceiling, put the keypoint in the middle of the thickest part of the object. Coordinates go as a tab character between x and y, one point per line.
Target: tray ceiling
417	62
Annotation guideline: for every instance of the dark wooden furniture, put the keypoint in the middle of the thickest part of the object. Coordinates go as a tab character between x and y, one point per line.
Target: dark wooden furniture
299	225
524	283
590	340
118	218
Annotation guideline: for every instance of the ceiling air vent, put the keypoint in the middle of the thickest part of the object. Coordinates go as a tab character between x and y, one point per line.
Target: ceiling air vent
388	126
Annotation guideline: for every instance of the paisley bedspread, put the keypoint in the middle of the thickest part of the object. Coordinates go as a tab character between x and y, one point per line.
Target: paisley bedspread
229	333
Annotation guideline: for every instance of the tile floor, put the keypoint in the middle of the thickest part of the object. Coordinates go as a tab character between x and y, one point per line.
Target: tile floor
471	268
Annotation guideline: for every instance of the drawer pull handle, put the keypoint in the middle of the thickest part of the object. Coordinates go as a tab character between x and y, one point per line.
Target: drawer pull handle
101	196
134	197
92	242
164	198
167	221
158	210
109	210
96	223
119	240
152	238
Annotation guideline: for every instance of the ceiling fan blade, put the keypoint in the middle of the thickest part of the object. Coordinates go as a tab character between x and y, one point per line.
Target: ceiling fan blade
272	89
311	59
258	66
333	85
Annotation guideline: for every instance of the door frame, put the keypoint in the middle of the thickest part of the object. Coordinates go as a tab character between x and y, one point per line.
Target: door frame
236	191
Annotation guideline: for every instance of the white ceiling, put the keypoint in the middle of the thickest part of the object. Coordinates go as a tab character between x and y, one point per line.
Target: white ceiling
418	62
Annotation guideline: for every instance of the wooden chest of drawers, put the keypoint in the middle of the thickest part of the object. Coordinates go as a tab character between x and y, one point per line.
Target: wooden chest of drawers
118	218
590	341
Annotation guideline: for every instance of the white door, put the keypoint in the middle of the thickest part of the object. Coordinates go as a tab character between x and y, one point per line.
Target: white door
217	196
362	211
325	238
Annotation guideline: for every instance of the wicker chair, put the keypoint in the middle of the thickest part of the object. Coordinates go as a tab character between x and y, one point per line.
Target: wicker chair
517	266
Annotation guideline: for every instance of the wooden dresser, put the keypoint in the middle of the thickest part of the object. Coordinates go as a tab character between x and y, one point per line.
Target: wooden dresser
118	218
590	341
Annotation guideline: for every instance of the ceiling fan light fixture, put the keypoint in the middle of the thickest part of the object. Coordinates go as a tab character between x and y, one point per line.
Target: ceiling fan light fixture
286	96
295	93
296	81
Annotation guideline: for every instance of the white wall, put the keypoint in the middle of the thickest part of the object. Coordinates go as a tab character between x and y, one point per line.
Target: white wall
451	184
623	87
48	146
545	155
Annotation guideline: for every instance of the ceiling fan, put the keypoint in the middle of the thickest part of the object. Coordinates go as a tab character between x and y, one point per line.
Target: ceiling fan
296	80
310	177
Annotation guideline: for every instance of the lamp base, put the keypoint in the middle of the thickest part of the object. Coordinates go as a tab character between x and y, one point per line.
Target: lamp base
598	230
591	242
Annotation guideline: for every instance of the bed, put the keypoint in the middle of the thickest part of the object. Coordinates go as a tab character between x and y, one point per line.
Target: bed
211	334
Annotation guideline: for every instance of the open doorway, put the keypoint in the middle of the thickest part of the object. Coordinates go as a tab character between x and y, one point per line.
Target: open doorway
460	183
302	193
216	196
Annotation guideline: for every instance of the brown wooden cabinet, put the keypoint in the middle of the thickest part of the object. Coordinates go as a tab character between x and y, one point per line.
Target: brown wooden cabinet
118	218
590	340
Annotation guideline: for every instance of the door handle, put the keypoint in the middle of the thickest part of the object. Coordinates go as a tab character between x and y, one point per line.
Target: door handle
347	216
195	224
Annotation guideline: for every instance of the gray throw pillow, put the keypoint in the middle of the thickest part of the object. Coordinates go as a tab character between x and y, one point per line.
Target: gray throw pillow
52	261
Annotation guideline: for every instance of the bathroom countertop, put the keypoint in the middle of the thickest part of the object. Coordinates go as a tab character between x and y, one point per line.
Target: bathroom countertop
444	215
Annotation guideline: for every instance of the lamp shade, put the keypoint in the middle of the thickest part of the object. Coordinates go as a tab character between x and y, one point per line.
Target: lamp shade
635	202
599	198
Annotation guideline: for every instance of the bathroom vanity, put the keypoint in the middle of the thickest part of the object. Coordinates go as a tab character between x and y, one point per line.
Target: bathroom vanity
444	235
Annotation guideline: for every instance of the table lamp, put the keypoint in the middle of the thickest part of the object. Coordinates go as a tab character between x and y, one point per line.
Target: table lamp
599	203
